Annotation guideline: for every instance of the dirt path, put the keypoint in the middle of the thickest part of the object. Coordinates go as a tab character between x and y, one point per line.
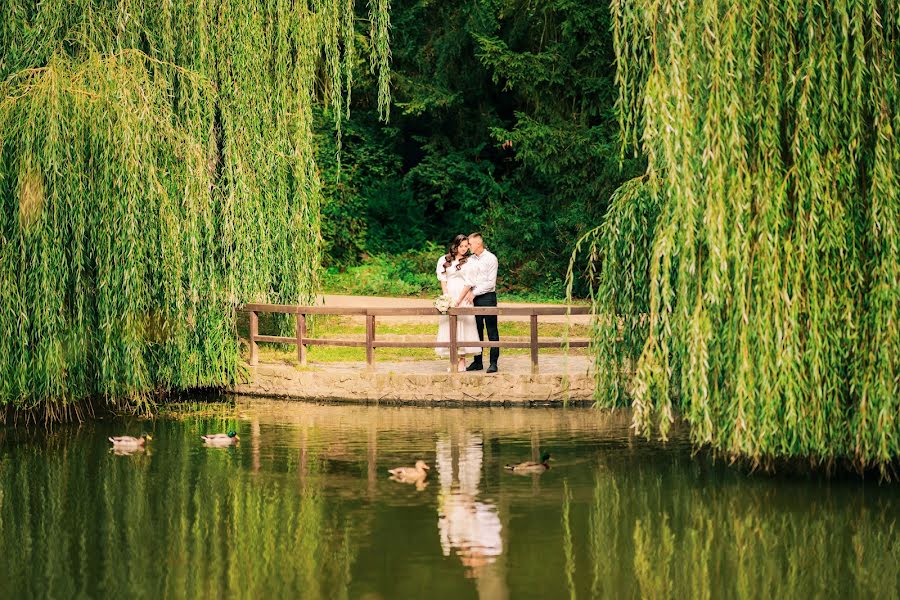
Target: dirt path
383	302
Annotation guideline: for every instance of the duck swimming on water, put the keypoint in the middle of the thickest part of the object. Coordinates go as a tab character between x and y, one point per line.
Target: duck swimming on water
410	474
531	466
127	441
221	439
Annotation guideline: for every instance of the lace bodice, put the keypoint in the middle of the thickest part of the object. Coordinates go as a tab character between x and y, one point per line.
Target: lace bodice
462	277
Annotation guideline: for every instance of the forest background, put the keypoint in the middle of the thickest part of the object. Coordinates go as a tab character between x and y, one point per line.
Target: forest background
503	121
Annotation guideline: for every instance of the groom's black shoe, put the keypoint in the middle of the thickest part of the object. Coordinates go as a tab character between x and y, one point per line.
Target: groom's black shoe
475	366
492	368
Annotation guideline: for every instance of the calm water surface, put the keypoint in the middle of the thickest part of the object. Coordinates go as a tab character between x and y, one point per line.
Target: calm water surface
303	508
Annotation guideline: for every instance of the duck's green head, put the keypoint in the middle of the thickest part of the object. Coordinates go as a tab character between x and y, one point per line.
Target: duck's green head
545	457
232	433
146	436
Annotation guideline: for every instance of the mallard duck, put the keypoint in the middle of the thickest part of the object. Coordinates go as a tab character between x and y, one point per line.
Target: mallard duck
221	439
530	466
127	441
411	474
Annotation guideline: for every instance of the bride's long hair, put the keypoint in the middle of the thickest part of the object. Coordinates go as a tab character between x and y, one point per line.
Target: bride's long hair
452	251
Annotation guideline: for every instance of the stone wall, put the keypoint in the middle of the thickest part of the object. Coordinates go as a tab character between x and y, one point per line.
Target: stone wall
274	379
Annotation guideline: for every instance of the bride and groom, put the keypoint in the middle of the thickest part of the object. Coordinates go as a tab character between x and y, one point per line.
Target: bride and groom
468	275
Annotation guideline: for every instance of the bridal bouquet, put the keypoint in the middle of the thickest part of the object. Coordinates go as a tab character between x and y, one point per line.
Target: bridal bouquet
443	303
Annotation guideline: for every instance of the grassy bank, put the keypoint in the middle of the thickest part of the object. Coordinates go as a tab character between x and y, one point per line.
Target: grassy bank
411	275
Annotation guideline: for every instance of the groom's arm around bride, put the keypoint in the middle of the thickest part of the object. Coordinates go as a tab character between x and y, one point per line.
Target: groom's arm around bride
485	294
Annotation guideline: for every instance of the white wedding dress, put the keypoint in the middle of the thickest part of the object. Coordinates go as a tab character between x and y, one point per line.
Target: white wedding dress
466	331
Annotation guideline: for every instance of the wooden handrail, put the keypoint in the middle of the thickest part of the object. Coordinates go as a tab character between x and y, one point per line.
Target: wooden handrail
302	340
508	311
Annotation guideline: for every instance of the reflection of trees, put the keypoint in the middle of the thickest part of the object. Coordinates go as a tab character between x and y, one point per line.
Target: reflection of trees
167	524
568	547
254	521
467	526
667	538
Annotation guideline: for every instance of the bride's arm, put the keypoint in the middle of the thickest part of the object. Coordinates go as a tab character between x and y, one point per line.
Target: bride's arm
441	275
469	278
462	296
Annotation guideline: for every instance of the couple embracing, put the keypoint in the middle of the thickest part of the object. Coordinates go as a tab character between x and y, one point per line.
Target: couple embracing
468	275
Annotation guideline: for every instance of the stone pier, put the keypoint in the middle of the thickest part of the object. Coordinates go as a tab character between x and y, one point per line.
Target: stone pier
562	380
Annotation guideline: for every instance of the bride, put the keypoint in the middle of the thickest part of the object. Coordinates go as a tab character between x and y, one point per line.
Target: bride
457	277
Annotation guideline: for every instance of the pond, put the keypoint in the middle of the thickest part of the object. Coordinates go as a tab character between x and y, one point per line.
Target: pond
303	507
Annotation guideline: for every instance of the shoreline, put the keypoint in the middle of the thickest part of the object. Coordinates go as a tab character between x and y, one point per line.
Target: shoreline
424	383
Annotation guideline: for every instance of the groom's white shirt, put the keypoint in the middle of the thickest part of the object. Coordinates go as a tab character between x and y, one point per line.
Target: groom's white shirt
486	277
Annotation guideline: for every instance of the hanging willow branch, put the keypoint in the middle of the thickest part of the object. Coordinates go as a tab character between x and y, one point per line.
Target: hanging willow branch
156	170
379	18
771	134
616	258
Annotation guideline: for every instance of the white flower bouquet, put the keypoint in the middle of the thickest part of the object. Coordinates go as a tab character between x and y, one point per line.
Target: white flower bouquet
443	303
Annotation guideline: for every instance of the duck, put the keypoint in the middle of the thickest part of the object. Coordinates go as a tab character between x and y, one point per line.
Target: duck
127	441
531	466
410	474
221	439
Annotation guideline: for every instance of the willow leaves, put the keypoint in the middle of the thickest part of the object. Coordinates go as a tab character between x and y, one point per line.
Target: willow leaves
156	171
774	278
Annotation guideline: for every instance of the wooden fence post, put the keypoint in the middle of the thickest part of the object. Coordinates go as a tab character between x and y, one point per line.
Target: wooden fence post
301	335
254	331
534	345
370	338
454	358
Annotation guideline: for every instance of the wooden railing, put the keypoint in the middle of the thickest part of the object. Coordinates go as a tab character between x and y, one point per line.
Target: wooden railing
302	340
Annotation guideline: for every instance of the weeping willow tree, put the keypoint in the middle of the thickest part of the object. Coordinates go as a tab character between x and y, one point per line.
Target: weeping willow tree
772	288
156	171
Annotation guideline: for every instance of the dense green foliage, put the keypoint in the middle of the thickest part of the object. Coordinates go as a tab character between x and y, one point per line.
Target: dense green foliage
503	122
156	170
410	273
774	276
404	274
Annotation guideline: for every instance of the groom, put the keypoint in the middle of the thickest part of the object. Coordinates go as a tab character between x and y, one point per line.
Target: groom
484	294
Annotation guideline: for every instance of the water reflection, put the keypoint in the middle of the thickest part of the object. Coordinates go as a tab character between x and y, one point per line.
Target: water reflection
128	450
305	509
469	527
762	538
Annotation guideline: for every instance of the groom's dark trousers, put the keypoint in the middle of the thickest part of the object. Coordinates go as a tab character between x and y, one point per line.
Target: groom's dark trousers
489	322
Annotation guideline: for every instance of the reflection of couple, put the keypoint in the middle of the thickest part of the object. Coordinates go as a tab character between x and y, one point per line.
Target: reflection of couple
467	526
469	280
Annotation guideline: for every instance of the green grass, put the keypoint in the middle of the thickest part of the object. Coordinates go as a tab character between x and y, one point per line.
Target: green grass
336	325
329	354
411	275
